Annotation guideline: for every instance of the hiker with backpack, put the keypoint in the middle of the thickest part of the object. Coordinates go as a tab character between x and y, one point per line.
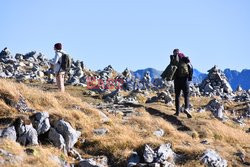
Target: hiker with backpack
181	71
61	64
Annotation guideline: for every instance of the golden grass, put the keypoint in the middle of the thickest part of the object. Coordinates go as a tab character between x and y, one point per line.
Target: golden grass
125	136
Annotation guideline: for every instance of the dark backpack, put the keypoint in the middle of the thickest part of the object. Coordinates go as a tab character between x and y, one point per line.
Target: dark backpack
183	67
66	62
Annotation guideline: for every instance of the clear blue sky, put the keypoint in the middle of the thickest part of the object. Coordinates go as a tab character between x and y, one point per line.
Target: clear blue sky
131	33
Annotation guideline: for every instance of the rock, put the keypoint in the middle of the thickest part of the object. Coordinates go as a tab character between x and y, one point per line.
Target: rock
241	155
100	161
149	154
159	132
9	159
29	137
60	161
75	154
217	109
22	106
208	88
165	153
40	74
133	160
100	131
40	122
57	139
104	117
212	159
219	113
30	151
239	120
201	110
239	88
154	165
69	134
204	142
215	81
9	133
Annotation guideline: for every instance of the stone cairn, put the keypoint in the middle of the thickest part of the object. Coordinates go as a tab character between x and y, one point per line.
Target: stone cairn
215	83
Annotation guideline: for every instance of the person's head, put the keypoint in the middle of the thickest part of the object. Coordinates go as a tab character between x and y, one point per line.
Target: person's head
58	46
176	51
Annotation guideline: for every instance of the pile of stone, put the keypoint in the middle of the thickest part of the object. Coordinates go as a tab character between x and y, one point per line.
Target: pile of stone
34	66
242	95
212	159
117	109
194	89
61	134
116	98
217	109
164	97
216	83
163	156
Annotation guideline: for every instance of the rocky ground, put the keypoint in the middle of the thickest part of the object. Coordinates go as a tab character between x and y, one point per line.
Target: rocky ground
130	126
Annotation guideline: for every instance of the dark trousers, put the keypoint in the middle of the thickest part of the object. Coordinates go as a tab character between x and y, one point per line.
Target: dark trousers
181	84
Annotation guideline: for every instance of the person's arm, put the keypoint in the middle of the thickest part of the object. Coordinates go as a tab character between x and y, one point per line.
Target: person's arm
190	69
55	59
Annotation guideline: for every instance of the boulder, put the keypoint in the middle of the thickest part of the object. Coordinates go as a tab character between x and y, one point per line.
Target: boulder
133	160
165	154
100	131
99	161
159	132
9	133
29	137
9	159
212	159
57	139
69	134
40	122
149	155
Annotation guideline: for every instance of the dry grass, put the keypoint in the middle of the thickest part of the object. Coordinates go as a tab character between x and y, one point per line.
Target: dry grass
123	136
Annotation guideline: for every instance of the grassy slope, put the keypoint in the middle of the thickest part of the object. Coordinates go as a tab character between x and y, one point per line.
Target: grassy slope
123	137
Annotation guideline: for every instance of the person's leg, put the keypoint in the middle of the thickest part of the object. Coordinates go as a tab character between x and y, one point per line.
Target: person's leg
58	80
177	96
186	93
61	81
186	97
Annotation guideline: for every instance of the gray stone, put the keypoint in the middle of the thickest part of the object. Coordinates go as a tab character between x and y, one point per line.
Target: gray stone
133	160
22	106
100	161
59	161
29	137
212	159
159	132
219	113
208	88
9	133
149	155
57	139
100	131
40	122
69	134
9	159
154	165
165	153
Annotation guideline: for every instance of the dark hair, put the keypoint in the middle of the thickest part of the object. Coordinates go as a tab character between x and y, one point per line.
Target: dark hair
58	46
176	50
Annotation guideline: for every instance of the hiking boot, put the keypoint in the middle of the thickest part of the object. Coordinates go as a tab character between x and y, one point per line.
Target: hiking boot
186	111
176	114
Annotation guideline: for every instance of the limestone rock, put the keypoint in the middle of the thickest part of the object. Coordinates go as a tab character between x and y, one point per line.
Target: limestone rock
212	159
69	134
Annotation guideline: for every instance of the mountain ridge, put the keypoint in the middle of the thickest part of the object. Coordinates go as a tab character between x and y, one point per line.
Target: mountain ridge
234	77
